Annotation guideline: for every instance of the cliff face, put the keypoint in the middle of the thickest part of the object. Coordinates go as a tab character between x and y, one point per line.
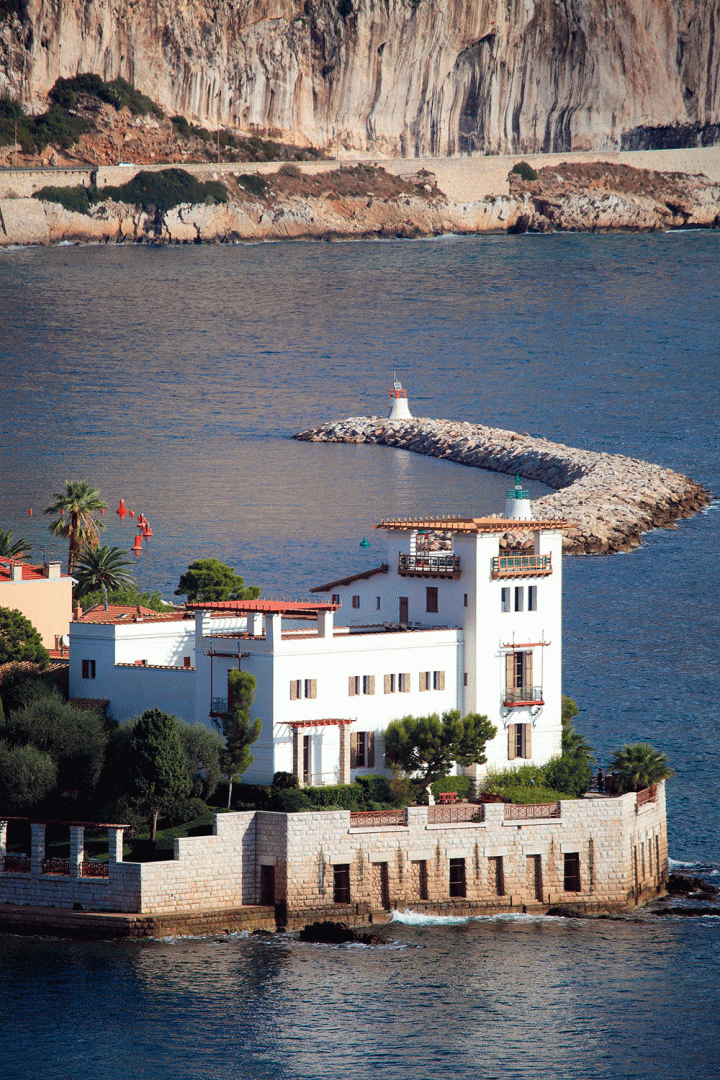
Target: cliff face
396	77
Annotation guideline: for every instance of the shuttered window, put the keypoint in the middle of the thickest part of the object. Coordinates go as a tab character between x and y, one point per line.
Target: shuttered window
519	741
295	689
362	750
404	683
353	685
532	598
368	684
389	682
300	688
438	680
505	599
311	688
356	601
424	680
519	598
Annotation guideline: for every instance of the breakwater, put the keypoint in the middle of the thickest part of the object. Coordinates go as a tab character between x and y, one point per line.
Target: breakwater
610	499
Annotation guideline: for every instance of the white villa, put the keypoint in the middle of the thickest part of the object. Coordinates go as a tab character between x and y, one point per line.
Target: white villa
453	619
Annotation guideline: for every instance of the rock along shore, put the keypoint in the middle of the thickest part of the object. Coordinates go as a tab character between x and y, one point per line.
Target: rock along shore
611	499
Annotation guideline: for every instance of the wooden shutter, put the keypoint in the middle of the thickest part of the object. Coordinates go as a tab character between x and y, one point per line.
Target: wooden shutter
352	686
528	740
423	680
405	683
293	689
370	749
388	684
311	685
371	684
512	735
353	750
509	672
441	680
528	669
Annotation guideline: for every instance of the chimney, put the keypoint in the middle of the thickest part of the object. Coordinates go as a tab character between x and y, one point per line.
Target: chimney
77	613
16	571
51	569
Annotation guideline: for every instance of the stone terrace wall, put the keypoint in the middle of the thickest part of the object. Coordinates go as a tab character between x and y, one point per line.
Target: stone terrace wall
604	832
611	498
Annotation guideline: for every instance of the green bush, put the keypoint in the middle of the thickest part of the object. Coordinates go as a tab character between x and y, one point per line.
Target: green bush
284	781
186	810
161	191
253	183
376	789
524	171
292	801
524	776
337	796
72	198
117	93
461	784
569	773
537	794
288	169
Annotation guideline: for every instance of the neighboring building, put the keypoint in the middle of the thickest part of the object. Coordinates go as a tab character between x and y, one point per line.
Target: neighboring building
42	593
452	620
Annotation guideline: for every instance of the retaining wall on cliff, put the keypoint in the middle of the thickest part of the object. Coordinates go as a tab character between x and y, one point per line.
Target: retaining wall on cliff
611	498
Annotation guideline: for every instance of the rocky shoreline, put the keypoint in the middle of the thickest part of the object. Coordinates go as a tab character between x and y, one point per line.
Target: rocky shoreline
610	499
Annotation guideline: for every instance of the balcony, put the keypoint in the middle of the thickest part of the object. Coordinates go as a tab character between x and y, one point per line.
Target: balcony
17	864
455	815
377	819
519	565
218	705
515	696
531	811
429	565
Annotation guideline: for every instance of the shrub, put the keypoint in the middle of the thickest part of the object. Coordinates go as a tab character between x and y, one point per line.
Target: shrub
376	789
461	784
537	794
291	801
284	781
161	191
117	93
185	810
337	797
72	198
288	169
253	183
569	773
20	688
524	171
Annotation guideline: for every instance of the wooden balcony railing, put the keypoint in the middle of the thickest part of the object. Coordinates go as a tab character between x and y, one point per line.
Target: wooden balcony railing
519	565
454	815
376	819
56	866
529	811
429	565
17	864
523	695
93	869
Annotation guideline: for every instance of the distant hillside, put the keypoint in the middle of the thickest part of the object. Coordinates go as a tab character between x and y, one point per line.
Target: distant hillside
396	77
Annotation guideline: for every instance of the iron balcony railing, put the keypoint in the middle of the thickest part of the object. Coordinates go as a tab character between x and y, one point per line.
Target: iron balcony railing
523	695
17	864
376	819
218	705
56	866
529	811
519	565
429	565
453	815
94	869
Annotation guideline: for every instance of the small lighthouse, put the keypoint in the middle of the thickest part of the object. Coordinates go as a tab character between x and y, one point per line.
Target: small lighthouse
517	502
398	403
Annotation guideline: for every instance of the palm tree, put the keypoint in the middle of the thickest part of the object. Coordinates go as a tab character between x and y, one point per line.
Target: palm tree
638	766
101	568
76	507
12	549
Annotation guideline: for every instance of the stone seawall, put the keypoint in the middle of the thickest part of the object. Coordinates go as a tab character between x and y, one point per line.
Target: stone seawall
611	499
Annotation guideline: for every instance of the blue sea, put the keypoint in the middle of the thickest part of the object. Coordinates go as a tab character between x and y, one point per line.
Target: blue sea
173	377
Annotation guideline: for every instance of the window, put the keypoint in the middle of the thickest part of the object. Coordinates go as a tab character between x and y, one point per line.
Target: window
356	601
418	870
390	684
572	871
88	669
519	677
519	741
353	685
404	683
457	877
431	598
465	678
425	680
368	684
362	750
335	598
534	875
341	883
496	875
519	597
377	603
300	688
505	599
532	598
465	600
404	609
186	661
438	680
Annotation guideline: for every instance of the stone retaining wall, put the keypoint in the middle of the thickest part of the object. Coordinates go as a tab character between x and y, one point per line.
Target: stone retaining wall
611	499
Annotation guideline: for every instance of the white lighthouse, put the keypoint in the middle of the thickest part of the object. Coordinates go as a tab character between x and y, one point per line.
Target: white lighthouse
398	403
517	502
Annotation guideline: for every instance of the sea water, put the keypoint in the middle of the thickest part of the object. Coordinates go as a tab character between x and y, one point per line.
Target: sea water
174	378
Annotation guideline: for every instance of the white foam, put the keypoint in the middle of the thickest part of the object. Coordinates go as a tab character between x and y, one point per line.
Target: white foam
419	918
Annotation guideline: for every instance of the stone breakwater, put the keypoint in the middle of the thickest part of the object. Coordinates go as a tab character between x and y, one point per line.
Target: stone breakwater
610	499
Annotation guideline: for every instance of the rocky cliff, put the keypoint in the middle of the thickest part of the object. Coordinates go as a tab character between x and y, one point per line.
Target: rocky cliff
394	77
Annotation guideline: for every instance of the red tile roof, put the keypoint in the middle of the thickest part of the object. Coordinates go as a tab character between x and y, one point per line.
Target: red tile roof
30	572
266	607
128	613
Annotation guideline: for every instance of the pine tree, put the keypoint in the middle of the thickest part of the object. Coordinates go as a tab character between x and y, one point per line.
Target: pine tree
158	769
237	728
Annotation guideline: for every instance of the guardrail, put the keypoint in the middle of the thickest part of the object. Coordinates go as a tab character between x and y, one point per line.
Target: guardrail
523	695
648	794
530	811
454	815
17	864
93	869
376	819
429	565
519	565
56	866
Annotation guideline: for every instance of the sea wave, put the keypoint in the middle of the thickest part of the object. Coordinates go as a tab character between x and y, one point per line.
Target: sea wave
409	917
